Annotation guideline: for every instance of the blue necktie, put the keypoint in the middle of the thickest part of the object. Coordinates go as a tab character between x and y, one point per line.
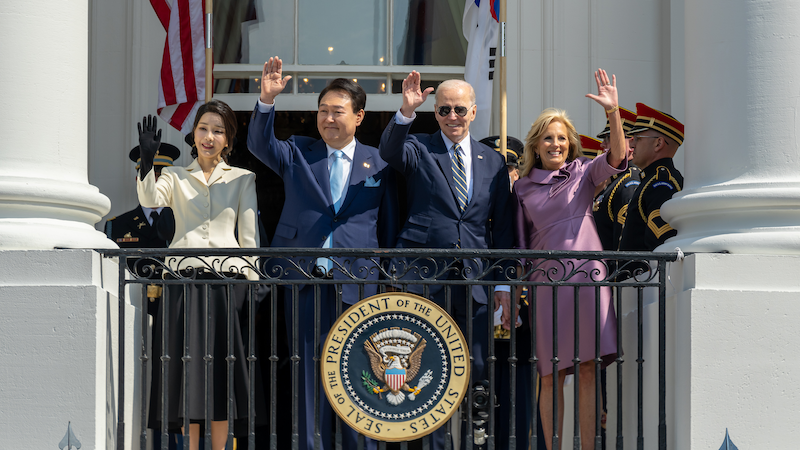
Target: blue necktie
337	186
337	179
459	178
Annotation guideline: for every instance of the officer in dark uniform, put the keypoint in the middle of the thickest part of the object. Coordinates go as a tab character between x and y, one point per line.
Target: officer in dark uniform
513	148
145	227
611	202
656	138
609	211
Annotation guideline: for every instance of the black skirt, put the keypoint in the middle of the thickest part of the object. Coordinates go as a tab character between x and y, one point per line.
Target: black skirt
205	314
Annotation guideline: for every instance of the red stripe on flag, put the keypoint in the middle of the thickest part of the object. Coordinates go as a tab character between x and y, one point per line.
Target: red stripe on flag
180	114
186	52
167	82
162	9
182	75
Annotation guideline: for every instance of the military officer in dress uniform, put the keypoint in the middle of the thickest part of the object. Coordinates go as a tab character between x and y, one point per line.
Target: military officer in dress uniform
523	337
591	146
611	202
656	138
513	148
145	227
610	210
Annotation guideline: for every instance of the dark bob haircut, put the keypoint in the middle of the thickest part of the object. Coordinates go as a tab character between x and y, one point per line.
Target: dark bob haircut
228	119
350	88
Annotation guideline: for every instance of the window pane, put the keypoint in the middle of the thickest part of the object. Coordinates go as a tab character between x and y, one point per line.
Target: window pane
347	33
397	85
310	85
429	32
230	21
270	34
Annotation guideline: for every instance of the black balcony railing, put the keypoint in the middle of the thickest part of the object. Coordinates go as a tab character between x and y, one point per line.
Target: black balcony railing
272	269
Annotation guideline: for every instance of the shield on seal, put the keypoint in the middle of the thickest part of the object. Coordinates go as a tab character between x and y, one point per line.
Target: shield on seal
395	378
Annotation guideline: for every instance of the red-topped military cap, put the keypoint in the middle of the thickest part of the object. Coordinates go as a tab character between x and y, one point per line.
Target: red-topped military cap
628	119
648	118
591	147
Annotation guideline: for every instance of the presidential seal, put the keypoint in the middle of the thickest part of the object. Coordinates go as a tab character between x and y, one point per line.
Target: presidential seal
395	367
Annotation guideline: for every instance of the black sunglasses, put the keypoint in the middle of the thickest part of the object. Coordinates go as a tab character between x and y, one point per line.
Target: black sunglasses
444	111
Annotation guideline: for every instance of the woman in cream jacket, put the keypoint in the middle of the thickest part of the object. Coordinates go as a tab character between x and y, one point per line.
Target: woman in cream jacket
215	207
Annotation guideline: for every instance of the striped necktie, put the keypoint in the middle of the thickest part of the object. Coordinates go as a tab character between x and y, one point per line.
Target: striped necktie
460	178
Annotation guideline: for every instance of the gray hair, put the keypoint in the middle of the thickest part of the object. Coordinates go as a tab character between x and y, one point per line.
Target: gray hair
456	84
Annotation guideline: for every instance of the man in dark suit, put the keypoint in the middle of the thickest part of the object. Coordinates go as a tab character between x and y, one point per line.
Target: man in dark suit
458	192
339	194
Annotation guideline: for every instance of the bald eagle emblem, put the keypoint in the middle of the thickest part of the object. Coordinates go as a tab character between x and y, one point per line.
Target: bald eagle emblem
394	356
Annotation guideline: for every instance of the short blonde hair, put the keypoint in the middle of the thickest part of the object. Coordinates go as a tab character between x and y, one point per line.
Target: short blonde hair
548	116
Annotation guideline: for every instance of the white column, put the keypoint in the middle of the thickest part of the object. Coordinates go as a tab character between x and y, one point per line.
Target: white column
45	199
742	183
730	324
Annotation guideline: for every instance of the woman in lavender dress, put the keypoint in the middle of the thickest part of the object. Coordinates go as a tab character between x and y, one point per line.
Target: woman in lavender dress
554	212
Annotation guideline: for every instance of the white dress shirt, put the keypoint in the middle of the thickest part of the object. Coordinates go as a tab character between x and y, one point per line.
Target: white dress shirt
466	147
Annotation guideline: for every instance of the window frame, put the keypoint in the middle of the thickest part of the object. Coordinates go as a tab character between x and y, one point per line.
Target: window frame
295	101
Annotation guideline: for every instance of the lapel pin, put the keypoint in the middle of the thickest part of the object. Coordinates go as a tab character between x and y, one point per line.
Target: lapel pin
366	165
480	156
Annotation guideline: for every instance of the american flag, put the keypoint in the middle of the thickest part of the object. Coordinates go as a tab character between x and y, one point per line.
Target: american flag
182	85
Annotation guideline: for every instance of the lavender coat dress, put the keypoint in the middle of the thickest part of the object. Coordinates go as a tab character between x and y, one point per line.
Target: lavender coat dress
553	211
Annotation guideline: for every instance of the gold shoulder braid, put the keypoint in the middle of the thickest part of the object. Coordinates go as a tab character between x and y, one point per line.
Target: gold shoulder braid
662	174
614	191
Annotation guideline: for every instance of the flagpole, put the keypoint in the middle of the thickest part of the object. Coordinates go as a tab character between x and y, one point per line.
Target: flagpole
502	71
209	51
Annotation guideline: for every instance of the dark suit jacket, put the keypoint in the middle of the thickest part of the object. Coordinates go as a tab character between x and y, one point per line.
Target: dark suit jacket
367	217
434	220
132	230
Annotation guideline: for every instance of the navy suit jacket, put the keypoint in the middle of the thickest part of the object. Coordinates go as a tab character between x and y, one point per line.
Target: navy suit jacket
434	220
367	217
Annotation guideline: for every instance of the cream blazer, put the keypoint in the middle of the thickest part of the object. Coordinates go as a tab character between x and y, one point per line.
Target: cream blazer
220	213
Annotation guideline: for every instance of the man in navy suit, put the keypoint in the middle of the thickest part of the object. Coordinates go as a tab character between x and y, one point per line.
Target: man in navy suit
339	194
458	196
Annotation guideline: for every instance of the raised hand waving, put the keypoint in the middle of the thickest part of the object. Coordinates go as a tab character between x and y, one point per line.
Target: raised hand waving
272	80
606	90
413	95
149	142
